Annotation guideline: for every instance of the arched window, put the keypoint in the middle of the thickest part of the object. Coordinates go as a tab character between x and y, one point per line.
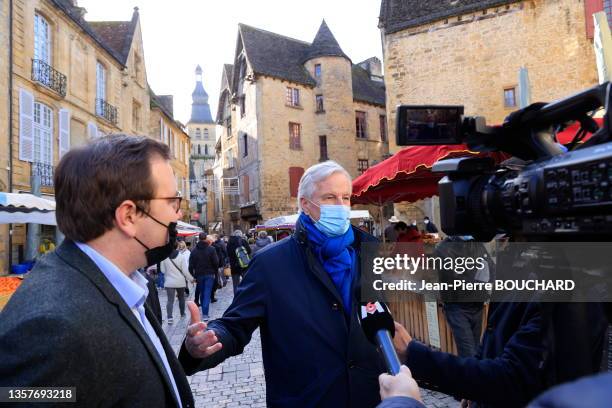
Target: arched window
205	134
198	134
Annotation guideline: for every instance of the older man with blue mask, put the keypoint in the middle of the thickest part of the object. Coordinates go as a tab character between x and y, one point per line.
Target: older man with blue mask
303	294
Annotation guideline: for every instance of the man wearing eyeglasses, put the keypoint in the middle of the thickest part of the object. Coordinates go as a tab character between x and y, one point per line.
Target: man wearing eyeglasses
79	319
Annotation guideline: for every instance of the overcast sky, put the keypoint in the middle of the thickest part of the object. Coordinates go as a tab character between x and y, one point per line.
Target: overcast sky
180	34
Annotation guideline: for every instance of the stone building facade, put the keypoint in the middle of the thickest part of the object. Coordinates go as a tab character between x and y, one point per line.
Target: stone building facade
168	130
4	118
292	104
470	52
72	80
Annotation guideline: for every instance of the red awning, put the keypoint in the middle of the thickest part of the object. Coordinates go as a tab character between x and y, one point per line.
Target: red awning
405	176
567	135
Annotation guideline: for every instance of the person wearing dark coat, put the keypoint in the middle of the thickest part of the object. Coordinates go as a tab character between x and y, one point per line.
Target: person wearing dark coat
204	265
303	293
221	254
261	242
430	227
235	241
513	363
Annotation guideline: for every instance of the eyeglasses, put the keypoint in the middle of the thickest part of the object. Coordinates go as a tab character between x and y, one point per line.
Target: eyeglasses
174	201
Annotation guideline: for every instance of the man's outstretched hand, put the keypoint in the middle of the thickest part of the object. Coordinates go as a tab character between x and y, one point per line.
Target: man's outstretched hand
200	342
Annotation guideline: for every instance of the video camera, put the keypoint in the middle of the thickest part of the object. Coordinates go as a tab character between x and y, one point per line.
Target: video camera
546	192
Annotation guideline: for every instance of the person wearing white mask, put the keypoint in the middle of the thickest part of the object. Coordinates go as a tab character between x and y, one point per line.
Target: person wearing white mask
303	293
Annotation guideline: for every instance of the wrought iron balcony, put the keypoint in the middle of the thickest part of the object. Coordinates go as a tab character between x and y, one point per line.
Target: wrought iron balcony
45	171
49	76
106	111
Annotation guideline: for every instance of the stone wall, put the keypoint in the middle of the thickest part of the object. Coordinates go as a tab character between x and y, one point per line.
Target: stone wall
470	59
4	121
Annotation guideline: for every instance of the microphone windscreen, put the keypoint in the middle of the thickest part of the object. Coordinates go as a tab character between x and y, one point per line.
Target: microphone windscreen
375	316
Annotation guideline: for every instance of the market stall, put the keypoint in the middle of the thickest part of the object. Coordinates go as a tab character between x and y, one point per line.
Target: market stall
26	208
279	227
407	177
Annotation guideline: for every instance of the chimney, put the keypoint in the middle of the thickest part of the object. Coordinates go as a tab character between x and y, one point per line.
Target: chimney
374	68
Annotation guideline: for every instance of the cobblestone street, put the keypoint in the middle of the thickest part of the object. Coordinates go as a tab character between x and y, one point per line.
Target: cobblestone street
239	381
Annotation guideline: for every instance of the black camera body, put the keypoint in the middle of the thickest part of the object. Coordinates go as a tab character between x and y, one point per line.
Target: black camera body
544	192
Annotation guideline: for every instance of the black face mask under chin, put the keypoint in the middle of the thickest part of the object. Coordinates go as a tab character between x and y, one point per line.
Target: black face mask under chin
158	254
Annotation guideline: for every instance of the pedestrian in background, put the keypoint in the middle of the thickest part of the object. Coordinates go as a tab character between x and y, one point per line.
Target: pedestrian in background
261	242
176	271
236	256
390	232
203	264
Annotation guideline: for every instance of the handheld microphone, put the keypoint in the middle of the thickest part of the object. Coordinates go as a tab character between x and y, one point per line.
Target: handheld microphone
377	324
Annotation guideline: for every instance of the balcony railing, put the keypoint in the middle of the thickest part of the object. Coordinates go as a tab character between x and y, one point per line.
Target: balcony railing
45	171
49	76
106	111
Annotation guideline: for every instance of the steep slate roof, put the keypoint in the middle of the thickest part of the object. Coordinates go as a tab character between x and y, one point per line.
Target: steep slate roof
283	57
117	34
275	55
226	81
397	15
228	69
167	102
366	90
161	102
324	45
75	14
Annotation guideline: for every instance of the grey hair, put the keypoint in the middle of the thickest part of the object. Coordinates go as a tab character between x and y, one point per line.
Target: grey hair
314	175
237	233
262	234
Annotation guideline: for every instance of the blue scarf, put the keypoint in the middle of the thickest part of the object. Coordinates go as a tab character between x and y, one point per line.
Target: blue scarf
336	255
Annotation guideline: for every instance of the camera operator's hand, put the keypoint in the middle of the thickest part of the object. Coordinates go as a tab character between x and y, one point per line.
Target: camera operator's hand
400	341
400	385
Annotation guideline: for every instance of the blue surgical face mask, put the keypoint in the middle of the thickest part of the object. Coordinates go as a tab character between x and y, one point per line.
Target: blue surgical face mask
334	220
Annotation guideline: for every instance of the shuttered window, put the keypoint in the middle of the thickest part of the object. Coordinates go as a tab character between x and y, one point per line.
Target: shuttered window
295	174
26	126
64	132
591	7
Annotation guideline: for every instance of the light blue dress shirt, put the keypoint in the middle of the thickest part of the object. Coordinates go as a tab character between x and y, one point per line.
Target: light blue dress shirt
133	290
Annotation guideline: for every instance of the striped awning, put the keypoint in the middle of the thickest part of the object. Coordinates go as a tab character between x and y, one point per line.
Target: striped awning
26	208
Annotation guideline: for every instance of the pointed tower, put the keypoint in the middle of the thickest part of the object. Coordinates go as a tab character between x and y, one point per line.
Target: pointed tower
324	45
201	129
200	110
331	68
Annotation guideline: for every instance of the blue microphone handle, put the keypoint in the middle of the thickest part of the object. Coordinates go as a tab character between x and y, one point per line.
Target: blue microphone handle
386	346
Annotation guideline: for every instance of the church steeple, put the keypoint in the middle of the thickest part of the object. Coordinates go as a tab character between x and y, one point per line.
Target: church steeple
200	110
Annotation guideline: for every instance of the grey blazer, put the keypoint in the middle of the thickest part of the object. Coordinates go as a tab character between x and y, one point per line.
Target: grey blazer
66	325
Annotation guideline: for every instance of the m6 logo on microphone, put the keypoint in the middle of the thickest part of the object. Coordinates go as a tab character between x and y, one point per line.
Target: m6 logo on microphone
371	308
